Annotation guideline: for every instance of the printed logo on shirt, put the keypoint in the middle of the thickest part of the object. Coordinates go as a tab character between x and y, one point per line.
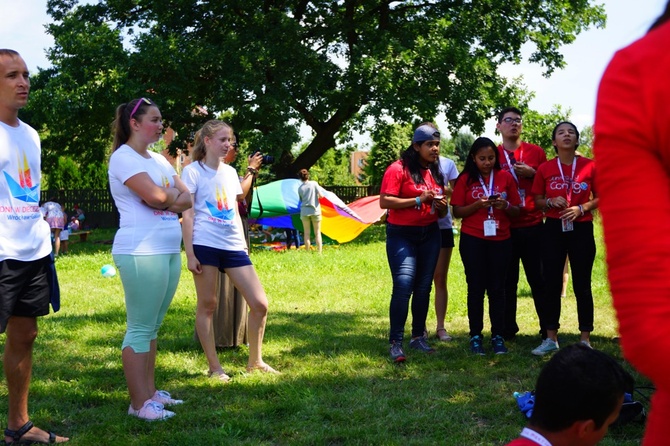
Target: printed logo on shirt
478	193
165	180
557	183
221	212
23	189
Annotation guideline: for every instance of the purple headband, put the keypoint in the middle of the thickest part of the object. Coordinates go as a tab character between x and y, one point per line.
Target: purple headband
139	101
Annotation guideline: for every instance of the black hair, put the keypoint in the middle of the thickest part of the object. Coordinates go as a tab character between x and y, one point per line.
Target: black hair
578	384
553	133
506	110
662	18
470	169
410	160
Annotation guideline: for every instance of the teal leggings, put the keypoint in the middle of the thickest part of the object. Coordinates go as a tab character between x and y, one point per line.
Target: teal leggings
149	283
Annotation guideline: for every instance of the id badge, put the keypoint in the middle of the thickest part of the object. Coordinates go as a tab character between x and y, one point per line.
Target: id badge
490	228
522	195
567	225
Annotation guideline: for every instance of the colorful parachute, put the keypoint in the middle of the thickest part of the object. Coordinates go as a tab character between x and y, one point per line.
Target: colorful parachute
277	204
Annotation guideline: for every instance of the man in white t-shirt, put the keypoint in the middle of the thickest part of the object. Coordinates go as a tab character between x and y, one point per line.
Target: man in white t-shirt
25	248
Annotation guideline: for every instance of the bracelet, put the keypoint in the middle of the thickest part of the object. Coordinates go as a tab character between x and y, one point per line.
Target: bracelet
548	201
252	170
581	209
418	202
508	205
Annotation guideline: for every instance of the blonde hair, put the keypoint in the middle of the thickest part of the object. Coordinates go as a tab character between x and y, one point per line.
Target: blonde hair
208	130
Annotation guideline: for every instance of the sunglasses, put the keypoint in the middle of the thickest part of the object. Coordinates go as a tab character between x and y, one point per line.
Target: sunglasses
139	102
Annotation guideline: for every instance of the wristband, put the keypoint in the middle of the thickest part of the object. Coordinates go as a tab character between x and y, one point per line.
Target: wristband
548	201
418	202
581	209
508	205
252	170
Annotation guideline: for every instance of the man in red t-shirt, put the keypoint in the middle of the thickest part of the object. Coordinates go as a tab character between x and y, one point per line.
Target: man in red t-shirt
521	159
578	395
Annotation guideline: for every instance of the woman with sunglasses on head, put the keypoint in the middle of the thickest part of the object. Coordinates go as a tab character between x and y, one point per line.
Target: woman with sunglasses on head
485	197
413	192
214	242
564	187
147	247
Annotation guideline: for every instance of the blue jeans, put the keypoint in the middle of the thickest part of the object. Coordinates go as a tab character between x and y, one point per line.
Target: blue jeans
412	253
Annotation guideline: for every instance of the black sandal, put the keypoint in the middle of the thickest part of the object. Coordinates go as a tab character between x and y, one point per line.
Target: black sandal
17	434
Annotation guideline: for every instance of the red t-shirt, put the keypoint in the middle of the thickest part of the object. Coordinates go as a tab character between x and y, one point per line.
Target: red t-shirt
522	442
398	182
550	184
533	156
632	150
467	193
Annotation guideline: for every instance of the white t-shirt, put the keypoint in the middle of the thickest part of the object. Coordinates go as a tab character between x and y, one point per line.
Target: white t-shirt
217	223
143	230
24	235
450	172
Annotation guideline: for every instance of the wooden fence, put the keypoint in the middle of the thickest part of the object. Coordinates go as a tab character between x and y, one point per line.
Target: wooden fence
100	211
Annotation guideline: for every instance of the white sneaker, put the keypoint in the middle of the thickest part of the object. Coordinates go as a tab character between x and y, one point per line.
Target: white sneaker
586	343
151	411
163	397
547	346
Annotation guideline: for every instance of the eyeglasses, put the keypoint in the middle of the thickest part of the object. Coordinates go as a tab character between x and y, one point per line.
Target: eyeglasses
509	120
139	101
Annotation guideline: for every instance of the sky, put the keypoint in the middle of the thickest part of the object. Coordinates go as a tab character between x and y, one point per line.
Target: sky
573	87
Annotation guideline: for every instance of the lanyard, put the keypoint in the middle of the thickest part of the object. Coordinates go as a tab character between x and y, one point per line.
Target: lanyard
509	164
534	436
568	192
488	191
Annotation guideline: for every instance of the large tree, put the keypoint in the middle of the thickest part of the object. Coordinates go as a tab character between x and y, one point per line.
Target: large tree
331	65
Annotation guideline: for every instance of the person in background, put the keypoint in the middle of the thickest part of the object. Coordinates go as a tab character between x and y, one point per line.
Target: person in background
486	198
54	215
578	396
214	241
522	160
79	215
310	209
565	187
65	237
448	169
413	192
147	247
25	249
632	153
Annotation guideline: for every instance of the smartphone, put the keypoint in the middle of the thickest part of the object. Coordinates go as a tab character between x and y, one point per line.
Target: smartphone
438	197
493	197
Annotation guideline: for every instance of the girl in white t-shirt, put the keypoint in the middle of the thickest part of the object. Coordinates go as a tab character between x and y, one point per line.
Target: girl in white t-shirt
147	246
214	241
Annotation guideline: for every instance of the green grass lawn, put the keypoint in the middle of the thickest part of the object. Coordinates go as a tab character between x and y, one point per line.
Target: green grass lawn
327	333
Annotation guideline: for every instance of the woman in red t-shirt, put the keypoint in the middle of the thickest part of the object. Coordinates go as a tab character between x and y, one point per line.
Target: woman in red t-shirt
564	186
413	192
485	197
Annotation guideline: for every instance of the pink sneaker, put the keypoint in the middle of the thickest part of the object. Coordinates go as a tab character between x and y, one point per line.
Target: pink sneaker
163	397
151	411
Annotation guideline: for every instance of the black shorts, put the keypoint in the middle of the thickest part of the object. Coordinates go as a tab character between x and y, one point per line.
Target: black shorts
24	289
221	258
447	238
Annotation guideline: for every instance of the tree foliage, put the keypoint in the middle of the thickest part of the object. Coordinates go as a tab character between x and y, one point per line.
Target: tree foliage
332	65
389	140
537	127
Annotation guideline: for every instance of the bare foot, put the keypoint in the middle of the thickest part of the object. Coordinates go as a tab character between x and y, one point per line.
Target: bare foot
29	433
262	367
